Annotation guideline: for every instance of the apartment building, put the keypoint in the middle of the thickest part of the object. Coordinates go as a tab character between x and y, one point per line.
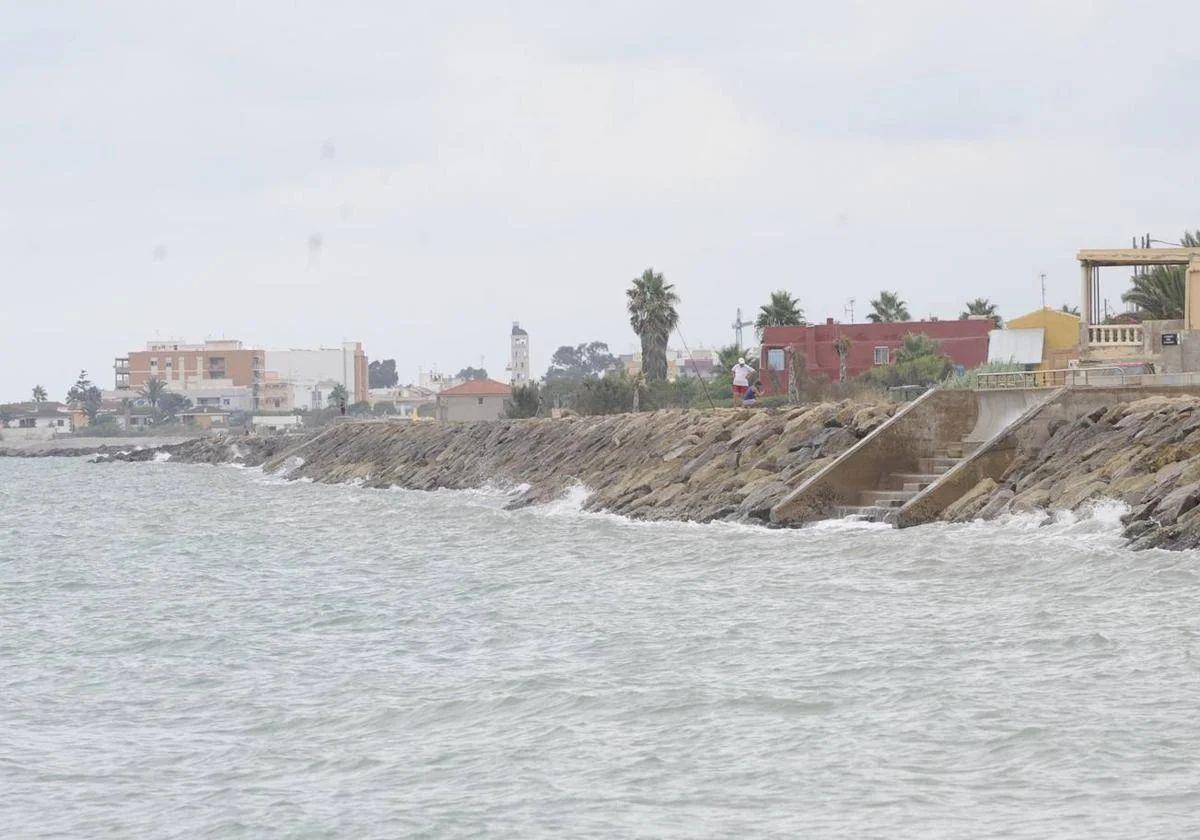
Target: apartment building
229	374
185	366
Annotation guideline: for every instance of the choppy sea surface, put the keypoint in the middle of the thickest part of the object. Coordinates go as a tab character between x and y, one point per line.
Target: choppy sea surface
206	652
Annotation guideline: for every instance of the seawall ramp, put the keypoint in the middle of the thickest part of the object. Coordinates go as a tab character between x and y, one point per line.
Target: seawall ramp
920	441
997	410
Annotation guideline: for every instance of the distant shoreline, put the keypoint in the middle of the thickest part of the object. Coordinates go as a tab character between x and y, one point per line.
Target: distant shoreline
65	447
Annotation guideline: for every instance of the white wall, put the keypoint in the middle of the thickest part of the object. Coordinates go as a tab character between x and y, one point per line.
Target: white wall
275	422
47	428
305	368
467	407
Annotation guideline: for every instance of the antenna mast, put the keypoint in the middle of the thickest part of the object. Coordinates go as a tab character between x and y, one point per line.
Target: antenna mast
737	328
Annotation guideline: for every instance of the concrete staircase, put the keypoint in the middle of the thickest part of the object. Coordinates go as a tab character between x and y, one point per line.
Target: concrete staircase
905	470
895	489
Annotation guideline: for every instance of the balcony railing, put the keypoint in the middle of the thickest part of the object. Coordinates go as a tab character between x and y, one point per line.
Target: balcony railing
1115	335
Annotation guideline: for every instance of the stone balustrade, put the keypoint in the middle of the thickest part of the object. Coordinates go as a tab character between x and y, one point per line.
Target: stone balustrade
1115	335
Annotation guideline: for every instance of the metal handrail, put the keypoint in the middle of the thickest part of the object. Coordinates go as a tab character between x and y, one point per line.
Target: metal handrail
1064	377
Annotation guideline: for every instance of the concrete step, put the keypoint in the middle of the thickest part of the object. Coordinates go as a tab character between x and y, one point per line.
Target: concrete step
914	478
885	498
913	482
953	450
937	464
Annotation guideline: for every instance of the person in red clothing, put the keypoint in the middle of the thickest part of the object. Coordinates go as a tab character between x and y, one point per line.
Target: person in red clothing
741	379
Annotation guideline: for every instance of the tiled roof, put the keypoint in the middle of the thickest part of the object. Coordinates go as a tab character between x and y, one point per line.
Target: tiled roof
43	409
478	388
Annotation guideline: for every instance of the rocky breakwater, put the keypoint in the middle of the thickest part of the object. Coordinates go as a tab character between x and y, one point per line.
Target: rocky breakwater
1142	452
248	450
680	465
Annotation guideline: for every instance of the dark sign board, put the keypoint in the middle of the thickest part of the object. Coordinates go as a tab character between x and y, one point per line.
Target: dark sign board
1170	339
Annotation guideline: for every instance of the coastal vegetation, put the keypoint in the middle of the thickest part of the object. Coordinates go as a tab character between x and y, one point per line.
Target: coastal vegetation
382	374
919	362
888	308
338	395
85	396
782	310
982	307
651	303
39	394
153	391
1158	293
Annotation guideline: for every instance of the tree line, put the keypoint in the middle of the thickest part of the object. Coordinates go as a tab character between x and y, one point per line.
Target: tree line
587	378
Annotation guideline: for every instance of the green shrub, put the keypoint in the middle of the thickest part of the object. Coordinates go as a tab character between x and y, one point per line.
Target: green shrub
970	379
525	402
611	395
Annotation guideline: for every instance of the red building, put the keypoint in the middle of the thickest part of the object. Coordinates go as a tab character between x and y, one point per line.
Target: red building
871	345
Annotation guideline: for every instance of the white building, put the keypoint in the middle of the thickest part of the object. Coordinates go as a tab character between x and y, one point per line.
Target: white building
34	421
220	394
518	364
435	381
313	373
402	400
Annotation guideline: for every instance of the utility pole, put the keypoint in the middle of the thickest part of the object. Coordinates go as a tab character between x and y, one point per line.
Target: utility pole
1043	290
850	310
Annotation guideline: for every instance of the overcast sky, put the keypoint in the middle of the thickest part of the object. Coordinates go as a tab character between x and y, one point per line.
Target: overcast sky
419	175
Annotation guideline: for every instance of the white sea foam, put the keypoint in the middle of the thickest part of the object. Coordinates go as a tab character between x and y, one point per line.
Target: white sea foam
569	504
162	456
289	466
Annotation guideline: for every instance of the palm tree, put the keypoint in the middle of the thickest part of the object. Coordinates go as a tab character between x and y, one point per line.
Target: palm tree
39	394
842	347
652	315
783	311
728	356
916	345
888	308
153	390
338	394
982	307
1158	295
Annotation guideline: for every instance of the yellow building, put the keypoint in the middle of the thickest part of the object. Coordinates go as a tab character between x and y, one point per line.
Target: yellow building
1061	342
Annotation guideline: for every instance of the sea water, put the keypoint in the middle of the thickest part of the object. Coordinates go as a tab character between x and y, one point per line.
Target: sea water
195	651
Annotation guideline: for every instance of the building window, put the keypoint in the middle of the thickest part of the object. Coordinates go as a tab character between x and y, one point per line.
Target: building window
882	355
480	400
775	358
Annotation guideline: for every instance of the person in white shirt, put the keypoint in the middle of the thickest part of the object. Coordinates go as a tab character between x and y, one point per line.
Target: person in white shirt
741	380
